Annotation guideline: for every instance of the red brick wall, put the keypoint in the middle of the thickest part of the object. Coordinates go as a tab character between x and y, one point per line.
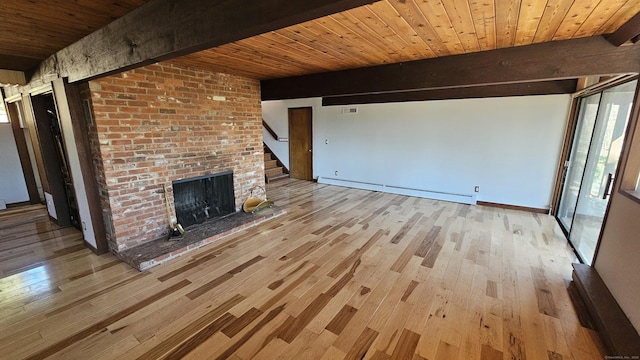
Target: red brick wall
161	123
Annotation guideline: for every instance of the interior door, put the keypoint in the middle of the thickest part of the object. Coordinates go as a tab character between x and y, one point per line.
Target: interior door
300	144
594	162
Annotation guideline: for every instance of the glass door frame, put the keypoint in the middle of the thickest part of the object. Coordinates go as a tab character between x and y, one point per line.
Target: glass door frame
566	163
577	99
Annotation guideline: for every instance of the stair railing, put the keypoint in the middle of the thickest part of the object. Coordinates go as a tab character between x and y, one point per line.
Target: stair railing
273	133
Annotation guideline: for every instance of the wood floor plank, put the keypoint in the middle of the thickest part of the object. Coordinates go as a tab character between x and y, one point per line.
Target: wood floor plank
489	353
294	325
344	274
341	319
448	351
52	349
187	346
263	322
406	228
362	345
406	345
185	333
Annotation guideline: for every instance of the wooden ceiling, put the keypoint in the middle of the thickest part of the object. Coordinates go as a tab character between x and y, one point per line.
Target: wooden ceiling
392	31
30	31
388	31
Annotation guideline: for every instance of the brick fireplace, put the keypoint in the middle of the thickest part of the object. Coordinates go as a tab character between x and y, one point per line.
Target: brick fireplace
162	123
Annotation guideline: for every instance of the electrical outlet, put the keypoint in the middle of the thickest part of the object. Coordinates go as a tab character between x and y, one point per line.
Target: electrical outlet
477	189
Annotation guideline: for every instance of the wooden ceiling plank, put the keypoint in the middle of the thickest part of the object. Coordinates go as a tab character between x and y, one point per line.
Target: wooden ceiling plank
436	15
621	17
361	21
576	16
360	34
554	13
228	57
459	14
52	25
388	15
506	22
239	68
600	15
341	36
163	29
279	52
413	15
246	50
319	35
303	35
627	32
484	19
531	12
71	13
356	29
373	19
317	56
538	62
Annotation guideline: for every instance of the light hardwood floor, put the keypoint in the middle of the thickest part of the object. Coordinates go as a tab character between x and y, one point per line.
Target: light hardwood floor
345	274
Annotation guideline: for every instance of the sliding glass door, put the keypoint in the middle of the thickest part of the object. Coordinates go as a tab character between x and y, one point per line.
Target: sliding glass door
597	143
575	167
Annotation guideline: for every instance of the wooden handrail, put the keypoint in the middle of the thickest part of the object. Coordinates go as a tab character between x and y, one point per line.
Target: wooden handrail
273	133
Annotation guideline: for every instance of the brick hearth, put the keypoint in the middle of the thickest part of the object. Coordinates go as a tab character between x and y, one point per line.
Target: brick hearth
156	252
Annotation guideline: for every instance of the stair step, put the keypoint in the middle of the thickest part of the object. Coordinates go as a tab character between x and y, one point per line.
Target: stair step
268	164
273	171
615	329
272	178
267	156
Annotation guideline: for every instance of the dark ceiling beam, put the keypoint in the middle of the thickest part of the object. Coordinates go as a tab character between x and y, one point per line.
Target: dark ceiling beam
18	63
557	60
164	29
629	31
522	89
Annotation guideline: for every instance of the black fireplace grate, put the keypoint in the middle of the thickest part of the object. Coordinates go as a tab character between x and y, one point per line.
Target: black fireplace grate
203	198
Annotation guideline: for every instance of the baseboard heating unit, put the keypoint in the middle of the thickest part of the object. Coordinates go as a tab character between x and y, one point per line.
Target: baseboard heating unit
428	194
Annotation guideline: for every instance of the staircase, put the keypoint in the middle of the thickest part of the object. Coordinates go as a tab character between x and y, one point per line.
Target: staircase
273	169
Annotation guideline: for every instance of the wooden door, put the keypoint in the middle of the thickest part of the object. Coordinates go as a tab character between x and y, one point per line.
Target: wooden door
300	144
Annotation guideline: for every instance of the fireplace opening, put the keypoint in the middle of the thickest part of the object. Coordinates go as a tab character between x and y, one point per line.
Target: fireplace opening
203	198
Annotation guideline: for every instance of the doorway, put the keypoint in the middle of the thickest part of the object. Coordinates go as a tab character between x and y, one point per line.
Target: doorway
55	161
300	143
589	173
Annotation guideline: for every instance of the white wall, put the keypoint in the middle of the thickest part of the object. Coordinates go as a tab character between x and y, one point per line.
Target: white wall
507	146
617	261
13	188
